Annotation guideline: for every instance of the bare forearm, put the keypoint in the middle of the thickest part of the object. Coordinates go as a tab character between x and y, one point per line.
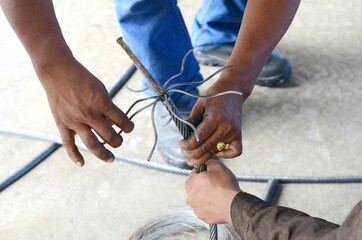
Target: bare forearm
78	100
264	24
35	23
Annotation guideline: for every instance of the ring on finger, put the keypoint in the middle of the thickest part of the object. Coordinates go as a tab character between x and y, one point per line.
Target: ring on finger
221	146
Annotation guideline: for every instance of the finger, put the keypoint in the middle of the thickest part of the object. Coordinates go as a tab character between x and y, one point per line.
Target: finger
201	160
235	149
107	133
213	165
207	146
94	145
200	157
194	172
189	181
67	136
204	131
196	115
197	153
120	119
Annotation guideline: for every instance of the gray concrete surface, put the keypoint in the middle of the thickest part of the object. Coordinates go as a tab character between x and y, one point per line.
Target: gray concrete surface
312	128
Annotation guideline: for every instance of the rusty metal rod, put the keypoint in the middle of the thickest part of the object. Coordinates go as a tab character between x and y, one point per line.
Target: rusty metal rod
140	66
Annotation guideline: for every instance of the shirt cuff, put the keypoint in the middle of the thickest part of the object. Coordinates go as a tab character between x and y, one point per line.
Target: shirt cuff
243	208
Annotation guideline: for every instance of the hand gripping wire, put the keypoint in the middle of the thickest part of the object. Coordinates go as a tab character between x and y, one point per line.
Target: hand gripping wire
185	127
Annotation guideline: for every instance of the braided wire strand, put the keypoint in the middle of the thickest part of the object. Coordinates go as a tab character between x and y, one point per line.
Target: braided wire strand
213	232
176	116
186	132
183	126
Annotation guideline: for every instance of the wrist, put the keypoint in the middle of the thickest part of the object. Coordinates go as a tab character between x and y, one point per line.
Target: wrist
238	80
231	197
54	65
50	56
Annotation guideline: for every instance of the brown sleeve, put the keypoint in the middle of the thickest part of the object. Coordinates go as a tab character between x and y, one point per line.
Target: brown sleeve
253	219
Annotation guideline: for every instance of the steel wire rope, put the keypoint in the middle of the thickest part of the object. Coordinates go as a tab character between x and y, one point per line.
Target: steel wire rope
282	179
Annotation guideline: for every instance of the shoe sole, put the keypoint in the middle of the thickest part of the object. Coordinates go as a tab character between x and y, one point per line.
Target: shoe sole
209	60
275	81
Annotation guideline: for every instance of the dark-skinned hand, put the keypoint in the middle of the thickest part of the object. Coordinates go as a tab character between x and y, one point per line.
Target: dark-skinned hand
80	104
217	119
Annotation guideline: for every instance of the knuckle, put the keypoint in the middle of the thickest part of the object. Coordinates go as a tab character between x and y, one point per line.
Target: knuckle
193	155
121	122
203	148
92	144
125	124
113	139
239	149
188	202
187	184
200	215
237	134
71	150
69	147
202	134
186	153
206	147
186	144
67	144
72	154
107	104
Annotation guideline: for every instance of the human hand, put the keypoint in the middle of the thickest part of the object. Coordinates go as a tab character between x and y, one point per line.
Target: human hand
80	104
217	119
211	192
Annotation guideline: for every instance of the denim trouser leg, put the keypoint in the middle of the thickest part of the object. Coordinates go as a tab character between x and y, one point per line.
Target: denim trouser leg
157	34
217	22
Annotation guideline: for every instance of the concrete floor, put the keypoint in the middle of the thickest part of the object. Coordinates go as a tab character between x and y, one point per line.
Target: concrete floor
312	128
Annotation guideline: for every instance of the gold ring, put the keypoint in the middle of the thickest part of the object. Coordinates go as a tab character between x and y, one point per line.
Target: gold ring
221	146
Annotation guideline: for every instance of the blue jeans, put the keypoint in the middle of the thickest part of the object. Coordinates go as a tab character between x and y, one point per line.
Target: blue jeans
157	34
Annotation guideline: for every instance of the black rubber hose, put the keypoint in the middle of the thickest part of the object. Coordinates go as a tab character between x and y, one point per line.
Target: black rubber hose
29	166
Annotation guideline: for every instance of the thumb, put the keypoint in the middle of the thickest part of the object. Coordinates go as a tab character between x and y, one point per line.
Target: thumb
196	114
193	173
214	165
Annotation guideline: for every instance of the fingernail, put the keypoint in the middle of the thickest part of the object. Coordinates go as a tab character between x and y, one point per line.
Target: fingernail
80	164
110	160
191	163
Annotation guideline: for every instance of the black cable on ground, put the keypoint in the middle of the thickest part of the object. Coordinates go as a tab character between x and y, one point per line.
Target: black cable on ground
122	81
29	166
271	190
50	150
